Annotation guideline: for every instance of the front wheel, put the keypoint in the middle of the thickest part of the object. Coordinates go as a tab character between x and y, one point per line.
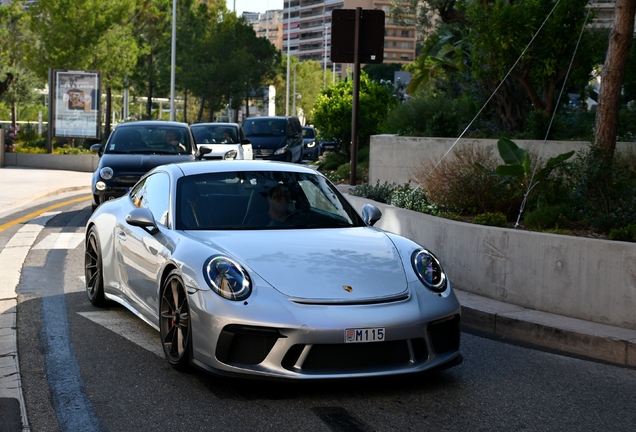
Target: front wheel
174	322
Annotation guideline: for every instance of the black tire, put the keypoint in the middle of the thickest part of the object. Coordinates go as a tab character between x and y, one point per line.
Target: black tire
174	322
93	270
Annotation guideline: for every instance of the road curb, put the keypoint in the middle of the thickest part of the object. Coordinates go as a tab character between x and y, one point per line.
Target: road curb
597	341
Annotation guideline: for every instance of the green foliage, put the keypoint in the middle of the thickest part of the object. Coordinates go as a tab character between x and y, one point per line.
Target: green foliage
344	172
331	161
491	219
378	192
544	217
410	198
602	193
433	115
517	171
332	112
627	233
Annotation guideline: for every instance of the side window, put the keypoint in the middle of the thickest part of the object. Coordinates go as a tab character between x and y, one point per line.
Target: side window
153	194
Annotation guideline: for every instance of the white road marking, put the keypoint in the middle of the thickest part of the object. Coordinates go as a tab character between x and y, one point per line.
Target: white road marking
127	325
61	241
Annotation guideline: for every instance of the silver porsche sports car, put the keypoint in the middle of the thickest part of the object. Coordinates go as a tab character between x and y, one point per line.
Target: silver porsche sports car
263	269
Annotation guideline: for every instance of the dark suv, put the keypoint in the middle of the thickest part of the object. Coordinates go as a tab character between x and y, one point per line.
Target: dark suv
277	138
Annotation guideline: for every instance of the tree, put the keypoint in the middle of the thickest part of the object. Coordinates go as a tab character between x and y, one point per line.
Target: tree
613	75
332	112
309	77
17	83
152	29
85	34
501	32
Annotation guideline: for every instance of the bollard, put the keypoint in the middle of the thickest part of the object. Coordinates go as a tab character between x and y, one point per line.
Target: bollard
1	148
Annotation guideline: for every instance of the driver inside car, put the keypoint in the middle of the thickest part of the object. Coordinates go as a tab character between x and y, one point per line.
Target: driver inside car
278	198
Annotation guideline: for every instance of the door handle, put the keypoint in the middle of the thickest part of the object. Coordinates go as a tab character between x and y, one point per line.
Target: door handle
121	235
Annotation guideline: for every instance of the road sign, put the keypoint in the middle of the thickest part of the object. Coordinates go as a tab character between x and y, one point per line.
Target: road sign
371	35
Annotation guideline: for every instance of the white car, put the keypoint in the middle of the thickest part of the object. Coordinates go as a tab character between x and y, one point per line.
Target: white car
225	140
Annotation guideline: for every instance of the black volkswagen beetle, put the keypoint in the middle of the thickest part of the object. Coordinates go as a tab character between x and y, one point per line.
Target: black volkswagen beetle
135	148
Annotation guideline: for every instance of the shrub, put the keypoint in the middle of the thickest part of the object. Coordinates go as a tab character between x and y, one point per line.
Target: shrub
412	199
457	185
544	217
491	219
380	192
344	172
602	193
627	233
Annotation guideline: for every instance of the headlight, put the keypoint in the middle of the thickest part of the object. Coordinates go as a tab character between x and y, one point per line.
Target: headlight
100	186
230	155
281	150
106	173
227	278
311	144
429	270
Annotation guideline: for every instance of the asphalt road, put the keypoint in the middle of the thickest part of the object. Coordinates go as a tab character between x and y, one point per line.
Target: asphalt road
100	370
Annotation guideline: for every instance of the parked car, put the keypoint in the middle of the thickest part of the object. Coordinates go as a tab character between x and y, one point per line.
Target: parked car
226	141
189	250
276	138
311	148
332	146
132	150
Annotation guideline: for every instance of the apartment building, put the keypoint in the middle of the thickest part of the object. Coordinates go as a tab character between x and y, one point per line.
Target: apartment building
307	31
604	11
270	25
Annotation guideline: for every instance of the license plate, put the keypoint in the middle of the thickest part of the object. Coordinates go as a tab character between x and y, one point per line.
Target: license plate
360	335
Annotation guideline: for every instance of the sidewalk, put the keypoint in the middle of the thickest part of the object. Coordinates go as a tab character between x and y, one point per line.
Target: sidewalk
20	187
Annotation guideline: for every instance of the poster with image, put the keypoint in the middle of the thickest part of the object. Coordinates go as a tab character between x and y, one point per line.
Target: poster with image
76	107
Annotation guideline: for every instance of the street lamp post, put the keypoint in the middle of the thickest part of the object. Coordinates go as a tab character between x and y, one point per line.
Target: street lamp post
174	58
288	56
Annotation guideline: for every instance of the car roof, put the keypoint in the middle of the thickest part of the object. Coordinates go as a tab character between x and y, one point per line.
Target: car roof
202	167
151	123
216	124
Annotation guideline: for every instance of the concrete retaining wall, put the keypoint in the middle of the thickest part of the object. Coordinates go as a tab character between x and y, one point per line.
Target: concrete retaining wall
594	280
82	163
395	159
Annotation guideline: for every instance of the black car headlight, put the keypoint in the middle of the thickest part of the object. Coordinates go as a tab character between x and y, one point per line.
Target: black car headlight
227	278
429	270
311	144
106	173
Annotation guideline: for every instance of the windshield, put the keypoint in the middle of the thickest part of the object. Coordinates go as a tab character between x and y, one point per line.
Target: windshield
308	133
265	126
137	139
261	200
214	134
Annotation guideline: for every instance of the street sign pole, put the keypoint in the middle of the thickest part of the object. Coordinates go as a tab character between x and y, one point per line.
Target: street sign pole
355	100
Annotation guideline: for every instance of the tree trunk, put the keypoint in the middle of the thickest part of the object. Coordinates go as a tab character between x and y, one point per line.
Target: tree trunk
109	108
247	105
150	89
185	106
510	113
200	114
14	117
211	115
613	75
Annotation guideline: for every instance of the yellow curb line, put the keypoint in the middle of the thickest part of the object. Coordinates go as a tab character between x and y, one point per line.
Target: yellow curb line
39	212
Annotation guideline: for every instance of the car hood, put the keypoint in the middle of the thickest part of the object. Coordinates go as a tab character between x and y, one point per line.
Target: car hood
318	264
219	149
267	141
136	163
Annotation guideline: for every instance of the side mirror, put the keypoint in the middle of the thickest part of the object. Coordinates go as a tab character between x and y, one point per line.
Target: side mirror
97	148
246	141
142	217
371	214
202	151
